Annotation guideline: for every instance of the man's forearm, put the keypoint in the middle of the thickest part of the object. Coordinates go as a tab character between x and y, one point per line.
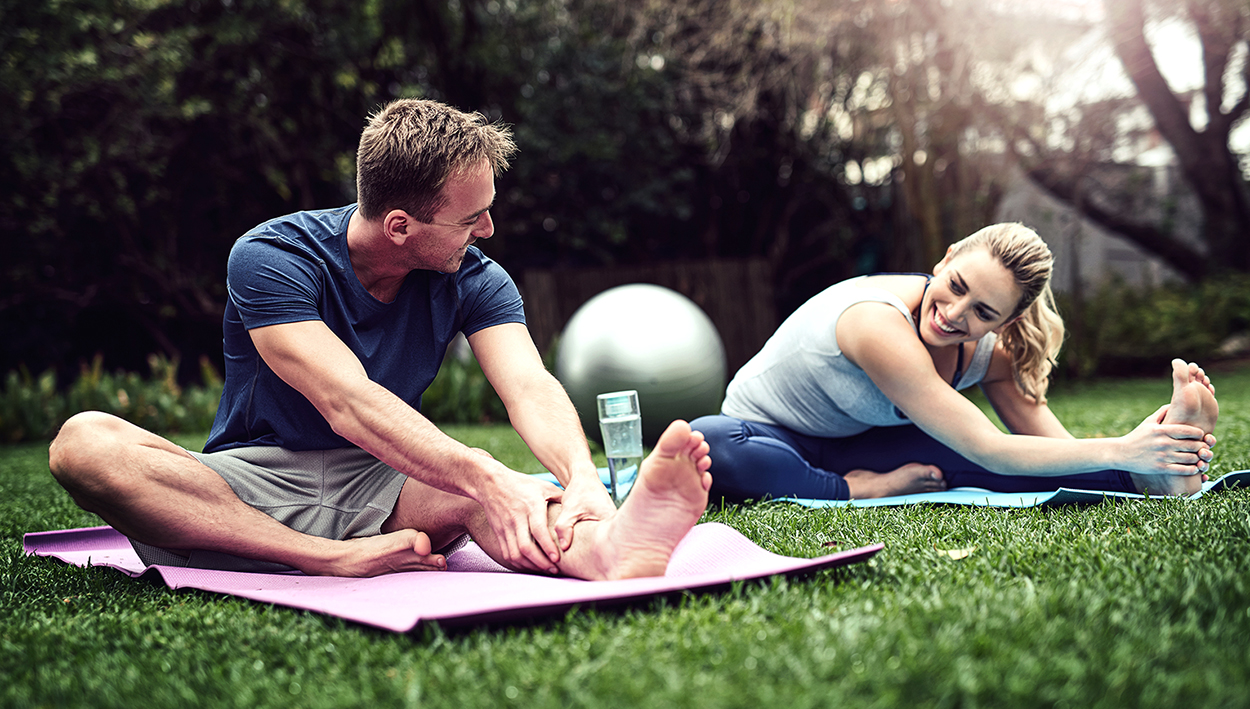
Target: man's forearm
381	423
314	361
548	423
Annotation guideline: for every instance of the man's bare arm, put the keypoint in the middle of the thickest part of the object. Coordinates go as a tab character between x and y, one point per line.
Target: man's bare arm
313	360
541	412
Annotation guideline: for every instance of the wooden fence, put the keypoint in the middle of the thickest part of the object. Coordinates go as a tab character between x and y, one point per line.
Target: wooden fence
737	295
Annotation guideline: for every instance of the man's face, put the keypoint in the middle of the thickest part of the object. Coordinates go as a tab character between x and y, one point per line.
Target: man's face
465	218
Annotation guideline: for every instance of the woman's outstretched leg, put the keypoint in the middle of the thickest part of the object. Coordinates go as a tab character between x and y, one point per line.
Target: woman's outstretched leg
888	448
754	460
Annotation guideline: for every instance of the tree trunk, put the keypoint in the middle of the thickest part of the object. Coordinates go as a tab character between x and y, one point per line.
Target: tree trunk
1204	157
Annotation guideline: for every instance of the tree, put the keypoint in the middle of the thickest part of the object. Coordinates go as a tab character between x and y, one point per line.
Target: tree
141	140
145	137
1205	158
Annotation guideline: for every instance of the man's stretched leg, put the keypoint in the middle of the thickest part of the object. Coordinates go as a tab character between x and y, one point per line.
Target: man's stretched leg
667	499
157	493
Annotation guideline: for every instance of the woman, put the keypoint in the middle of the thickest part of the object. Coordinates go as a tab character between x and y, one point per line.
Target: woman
856	394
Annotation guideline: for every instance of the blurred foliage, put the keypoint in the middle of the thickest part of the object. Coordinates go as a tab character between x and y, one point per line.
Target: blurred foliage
142	137
33	408
1131	330
460	393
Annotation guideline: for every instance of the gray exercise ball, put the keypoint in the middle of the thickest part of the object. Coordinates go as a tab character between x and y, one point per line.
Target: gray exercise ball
648	338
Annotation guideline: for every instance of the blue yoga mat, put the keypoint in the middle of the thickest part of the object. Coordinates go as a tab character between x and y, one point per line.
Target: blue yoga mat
985	498
624	479
973	496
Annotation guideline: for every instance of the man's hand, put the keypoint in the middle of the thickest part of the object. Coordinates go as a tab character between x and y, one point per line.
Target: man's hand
516	509
585	498
542	414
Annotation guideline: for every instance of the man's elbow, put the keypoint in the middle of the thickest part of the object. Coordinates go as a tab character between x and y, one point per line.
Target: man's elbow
342	412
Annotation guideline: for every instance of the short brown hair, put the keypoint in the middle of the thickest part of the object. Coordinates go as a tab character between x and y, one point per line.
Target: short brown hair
411	147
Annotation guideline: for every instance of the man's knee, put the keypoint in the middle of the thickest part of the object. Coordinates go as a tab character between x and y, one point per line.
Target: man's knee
84	441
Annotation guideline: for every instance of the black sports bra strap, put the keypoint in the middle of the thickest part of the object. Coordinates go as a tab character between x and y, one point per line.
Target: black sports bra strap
959	367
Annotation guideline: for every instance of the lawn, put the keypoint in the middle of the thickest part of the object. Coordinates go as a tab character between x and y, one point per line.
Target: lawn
1143	604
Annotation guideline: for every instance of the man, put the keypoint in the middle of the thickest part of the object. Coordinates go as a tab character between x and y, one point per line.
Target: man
336	322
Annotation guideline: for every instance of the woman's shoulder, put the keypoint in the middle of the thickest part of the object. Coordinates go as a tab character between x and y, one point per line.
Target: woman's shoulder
1001	366
900	284
901	290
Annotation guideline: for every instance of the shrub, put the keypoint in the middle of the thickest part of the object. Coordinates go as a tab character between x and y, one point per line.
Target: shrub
33	408
461	394
1130	330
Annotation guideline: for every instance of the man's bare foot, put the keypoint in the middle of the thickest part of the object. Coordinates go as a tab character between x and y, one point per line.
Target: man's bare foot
906	480
402	550
1193	403
668	497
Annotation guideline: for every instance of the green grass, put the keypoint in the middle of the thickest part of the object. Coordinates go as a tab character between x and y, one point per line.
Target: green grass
1130	604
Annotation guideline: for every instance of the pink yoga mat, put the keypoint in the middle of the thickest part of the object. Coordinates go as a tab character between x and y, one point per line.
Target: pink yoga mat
474	589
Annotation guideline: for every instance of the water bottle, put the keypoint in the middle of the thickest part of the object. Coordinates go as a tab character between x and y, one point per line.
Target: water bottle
620	421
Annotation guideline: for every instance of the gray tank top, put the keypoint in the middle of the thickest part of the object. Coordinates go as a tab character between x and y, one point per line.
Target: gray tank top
801	380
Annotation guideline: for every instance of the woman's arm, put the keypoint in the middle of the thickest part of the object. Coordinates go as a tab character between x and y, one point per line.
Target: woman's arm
1019	413
878	339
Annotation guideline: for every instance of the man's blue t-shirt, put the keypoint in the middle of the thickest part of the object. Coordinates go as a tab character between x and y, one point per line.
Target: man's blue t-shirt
296	268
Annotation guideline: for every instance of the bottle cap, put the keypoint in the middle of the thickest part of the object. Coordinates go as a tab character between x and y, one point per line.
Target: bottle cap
618	403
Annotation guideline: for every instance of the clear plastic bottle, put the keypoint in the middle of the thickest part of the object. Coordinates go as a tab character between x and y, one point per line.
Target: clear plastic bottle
620	422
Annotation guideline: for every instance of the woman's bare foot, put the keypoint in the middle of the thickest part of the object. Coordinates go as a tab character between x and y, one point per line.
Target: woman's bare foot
667	498
1193	397
402	550
1193	403
906	480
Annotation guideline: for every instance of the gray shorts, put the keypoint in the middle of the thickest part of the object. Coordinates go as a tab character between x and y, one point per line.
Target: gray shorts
337	494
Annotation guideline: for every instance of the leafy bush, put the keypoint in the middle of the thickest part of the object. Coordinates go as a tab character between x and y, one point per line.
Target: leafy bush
1129	330
33	408
461	394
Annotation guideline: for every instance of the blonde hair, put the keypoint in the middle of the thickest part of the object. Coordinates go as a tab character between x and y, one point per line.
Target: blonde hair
1034	338
412	147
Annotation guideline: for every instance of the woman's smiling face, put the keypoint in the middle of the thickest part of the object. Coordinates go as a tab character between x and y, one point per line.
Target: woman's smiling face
971	294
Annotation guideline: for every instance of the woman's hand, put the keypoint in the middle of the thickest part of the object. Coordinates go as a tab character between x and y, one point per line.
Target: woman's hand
1158	448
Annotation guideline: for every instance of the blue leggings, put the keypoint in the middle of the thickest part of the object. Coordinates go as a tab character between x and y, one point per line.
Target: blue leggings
751	460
